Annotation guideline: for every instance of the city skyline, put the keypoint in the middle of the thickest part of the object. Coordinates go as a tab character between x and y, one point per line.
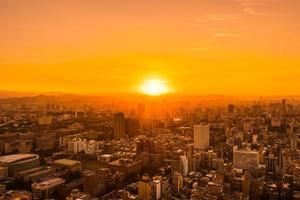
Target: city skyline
149	99
236	47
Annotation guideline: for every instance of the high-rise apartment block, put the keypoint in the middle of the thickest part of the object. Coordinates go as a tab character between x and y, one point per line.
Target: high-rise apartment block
119	126
245	159
201	136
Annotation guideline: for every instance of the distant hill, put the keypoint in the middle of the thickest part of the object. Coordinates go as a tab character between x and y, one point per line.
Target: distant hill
62	99
129	101
4	94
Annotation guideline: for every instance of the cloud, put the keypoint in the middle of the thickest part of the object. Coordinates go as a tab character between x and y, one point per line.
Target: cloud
222	24
266	8
233	35
247	3
253	12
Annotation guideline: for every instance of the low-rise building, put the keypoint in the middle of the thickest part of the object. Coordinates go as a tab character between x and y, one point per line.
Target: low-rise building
72	165
47	188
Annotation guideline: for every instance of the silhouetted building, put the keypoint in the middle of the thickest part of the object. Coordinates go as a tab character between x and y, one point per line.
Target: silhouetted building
119	126
230	108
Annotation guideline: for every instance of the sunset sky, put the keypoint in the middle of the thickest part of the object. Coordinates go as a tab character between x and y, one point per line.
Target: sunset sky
230	47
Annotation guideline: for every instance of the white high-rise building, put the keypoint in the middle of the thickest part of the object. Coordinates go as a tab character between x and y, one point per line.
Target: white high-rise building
157	189
201	136
185	165
77	145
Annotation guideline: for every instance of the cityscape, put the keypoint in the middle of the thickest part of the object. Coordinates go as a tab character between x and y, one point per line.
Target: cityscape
246	150
149	100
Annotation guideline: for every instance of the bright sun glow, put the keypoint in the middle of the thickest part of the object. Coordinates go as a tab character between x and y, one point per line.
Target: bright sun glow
154	87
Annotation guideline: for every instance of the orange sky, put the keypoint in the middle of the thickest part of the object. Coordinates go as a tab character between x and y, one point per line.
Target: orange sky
235	47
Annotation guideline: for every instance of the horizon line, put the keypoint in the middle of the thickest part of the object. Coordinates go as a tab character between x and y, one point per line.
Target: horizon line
32	93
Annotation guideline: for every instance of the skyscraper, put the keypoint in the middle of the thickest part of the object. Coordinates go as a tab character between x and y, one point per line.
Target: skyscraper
283	106
271	164
157	189
185	165
201	136
230	108
245	158
145	188
177	182
119	126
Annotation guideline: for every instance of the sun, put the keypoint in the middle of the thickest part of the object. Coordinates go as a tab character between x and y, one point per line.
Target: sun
154	87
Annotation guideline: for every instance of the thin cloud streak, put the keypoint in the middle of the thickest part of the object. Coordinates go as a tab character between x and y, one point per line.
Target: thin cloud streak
251	11
226	35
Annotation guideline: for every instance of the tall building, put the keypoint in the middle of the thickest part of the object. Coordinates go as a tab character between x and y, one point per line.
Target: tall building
245	159
132	127
96	182
185	165
295	142
177	182
246	183
119	126
157	189
145	188
230	108
284	159
271	164
165	185
201	136
283	106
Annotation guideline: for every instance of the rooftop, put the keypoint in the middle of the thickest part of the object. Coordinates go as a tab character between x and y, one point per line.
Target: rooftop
47	184
124	162
66	162
9	159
